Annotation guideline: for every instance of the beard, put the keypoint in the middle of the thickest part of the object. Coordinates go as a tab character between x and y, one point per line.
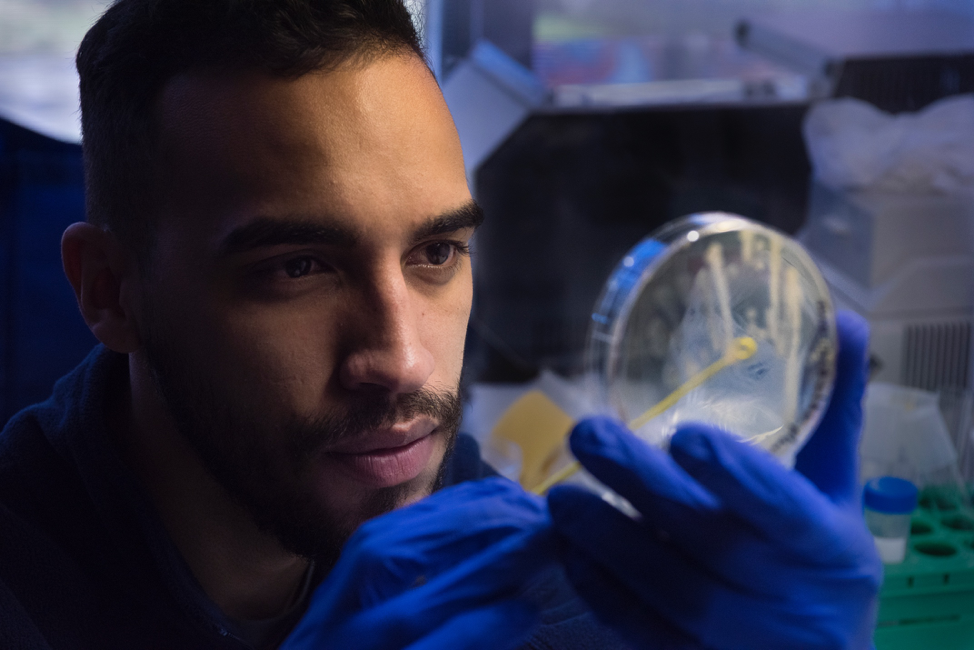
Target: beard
267	467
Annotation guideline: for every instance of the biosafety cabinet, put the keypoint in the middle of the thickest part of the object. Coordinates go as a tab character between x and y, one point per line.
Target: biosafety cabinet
570	182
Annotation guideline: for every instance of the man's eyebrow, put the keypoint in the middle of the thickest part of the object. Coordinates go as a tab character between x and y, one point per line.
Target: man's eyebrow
467	216
266	231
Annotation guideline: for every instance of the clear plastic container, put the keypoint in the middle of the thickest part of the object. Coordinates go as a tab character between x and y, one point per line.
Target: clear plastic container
889	503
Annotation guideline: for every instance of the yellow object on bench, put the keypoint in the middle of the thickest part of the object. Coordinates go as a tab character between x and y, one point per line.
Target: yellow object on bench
538	427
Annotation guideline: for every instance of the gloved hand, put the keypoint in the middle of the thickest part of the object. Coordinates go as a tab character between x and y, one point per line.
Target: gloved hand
732	550
437	575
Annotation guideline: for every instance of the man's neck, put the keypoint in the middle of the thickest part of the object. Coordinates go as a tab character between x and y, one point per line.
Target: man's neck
245	571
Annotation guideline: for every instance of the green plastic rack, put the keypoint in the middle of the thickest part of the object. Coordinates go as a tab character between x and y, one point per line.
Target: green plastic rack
927	602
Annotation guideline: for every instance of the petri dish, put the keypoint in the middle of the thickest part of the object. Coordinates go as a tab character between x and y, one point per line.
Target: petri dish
716	318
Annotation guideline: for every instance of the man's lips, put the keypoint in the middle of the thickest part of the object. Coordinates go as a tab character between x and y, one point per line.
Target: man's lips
388	457
398	435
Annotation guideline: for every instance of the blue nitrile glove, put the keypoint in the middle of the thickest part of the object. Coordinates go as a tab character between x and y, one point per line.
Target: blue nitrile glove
437	575
732	550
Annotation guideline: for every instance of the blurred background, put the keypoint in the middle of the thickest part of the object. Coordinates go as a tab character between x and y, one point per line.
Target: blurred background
42	335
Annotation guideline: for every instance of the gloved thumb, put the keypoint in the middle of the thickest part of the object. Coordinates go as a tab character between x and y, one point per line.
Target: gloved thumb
830	458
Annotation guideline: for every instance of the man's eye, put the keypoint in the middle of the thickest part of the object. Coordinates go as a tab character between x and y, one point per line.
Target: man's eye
438	253
299	267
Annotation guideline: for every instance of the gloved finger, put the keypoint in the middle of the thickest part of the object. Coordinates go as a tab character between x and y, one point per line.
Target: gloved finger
614	540
503	626
668	498
503	568
719	542
457	513
781	504
388	554
491	576
664	581
829	458
616	605
497	487
647	477
661	490
710	535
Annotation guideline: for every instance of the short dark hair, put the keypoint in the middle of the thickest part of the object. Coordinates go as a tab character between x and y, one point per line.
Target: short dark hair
137	46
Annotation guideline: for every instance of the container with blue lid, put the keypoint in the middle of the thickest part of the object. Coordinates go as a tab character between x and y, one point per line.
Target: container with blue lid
889	502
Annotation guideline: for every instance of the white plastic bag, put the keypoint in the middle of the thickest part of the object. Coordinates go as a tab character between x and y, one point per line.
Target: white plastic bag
854	145
905	435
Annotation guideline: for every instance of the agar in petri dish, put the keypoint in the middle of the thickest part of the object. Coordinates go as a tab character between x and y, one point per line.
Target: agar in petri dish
716	318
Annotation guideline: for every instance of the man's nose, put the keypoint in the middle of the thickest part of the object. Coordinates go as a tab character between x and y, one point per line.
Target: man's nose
387	349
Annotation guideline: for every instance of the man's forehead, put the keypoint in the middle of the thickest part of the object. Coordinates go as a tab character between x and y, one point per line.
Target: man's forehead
345	150
237	110
208	101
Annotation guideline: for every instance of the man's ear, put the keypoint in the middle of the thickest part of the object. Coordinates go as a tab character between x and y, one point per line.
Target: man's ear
103	278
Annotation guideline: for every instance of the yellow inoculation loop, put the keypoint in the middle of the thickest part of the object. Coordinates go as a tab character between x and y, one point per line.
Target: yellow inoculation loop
741	348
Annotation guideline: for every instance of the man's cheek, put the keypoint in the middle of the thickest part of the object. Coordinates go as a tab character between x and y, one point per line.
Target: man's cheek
446	344
284	364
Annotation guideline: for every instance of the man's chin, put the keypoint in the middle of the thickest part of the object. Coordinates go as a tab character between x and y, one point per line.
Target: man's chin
358	506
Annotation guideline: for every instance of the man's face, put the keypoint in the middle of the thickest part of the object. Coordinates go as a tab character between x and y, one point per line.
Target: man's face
307	301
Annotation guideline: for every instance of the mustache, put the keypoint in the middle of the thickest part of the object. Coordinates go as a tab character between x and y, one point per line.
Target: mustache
363	413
